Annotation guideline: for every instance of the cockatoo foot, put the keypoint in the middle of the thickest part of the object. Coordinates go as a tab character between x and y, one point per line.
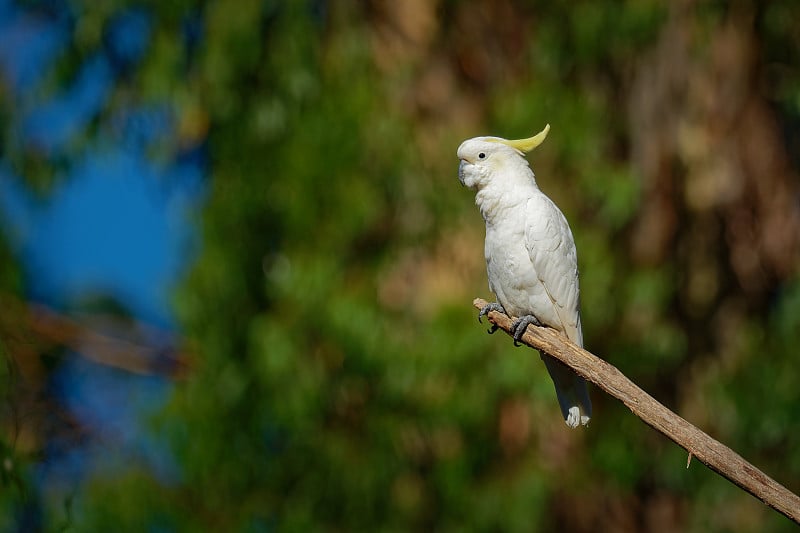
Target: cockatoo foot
485	310
521	324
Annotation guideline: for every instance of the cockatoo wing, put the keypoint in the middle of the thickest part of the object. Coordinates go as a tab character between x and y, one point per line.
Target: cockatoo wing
552	253
551	249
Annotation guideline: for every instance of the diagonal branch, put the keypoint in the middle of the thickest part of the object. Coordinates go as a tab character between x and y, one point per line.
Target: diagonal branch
709	451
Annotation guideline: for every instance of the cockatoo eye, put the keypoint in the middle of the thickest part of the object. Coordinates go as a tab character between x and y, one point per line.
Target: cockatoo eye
481	156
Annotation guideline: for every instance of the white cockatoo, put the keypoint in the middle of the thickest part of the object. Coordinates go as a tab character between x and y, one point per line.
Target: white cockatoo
531	259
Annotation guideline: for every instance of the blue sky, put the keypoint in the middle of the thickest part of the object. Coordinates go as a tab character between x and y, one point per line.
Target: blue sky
117	223
110	227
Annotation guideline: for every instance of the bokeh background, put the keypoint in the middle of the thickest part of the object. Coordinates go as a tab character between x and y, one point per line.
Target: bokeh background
237	267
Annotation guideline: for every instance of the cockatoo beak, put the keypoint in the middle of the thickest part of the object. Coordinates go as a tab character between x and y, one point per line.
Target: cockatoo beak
526	145
461	171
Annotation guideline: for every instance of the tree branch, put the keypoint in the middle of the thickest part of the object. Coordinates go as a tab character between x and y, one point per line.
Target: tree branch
709	451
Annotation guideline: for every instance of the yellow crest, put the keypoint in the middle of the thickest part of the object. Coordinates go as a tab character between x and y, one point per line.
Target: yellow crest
526	145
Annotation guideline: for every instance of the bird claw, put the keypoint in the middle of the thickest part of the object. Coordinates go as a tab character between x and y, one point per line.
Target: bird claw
520	325
490	307
485	310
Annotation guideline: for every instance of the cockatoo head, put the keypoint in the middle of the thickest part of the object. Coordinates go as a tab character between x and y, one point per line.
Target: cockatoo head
483	159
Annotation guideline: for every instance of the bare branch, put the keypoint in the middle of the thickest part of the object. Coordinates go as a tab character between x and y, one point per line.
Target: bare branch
709	451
